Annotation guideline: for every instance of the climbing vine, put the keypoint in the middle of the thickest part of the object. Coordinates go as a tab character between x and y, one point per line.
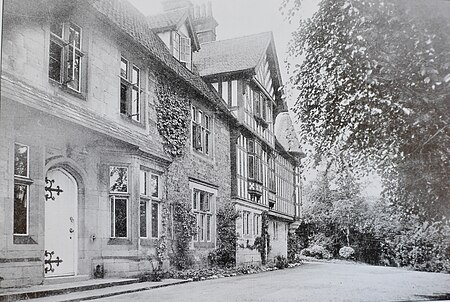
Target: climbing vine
172	111
263	245
184	228
162	246
225	253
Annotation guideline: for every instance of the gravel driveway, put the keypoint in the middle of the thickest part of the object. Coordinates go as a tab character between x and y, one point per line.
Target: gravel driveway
313	281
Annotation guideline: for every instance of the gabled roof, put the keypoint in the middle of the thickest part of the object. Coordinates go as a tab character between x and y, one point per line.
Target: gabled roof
127	19
173	20
286	135
168	20
232	55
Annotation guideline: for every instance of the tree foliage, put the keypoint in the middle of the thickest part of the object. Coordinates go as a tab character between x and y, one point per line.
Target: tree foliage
337	216
374	86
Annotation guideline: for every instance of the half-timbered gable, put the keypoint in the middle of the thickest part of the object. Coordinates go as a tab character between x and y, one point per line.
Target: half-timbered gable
244	72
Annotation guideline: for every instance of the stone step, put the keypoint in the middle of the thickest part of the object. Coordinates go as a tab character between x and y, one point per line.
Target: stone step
109	291
68	279
48	290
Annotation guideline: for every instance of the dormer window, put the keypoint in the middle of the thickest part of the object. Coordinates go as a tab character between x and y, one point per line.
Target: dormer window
181	49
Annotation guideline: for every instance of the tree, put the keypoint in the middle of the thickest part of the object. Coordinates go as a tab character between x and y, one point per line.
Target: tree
335	208
374	86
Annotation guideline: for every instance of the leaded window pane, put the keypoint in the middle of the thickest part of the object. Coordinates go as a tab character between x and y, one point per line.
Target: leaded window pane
123	98
73	70
251	166
120	217
20	160
54	70
118	179
202	226
124	68
143	182
75	35
208	228
154	182
135	76
143	218
135	104
20	209
155	219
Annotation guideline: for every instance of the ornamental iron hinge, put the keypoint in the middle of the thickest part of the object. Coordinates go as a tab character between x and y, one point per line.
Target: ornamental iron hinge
48	262
50	190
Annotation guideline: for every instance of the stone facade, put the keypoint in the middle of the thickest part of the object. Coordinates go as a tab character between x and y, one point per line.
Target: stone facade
102	141
84	134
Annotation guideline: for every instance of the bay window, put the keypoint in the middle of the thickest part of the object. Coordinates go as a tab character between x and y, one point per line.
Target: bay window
149	208
118	190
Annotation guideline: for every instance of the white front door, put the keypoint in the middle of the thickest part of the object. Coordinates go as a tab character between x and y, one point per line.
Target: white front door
61	224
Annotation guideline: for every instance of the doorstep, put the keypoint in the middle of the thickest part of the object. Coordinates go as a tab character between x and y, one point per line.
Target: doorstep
110	291
72	285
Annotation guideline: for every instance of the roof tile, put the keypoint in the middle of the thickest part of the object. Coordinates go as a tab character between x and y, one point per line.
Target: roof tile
167	19
231	55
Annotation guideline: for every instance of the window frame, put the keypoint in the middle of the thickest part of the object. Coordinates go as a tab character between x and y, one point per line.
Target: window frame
113	234
63	42
25	181
181	48
124	195
201	131
150	199
254	171
127	80
202	214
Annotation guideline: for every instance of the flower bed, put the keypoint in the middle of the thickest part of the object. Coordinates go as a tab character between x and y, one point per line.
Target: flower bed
216	272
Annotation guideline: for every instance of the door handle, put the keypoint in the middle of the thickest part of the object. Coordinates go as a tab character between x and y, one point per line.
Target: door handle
71	230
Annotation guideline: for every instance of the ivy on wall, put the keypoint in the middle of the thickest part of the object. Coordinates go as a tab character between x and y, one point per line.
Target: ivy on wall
162	245
172	111
184	228
225	253
261	243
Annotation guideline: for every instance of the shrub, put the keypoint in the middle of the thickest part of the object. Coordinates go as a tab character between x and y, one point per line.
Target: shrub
225	253
281	262
316	251
346	252
422	246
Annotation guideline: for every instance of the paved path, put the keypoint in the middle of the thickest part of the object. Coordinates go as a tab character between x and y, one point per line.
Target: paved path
309	282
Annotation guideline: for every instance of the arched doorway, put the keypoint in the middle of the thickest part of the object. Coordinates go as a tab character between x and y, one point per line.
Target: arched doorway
61	224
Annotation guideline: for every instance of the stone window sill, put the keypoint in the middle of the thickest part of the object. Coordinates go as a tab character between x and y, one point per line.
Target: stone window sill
119	241
23	239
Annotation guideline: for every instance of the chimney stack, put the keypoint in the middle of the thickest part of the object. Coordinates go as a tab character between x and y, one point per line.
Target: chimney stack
169	5
204	23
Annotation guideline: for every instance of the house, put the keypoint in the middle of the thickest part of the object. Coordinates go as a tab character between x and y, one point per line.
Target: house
87	179
109	119
202	175
265	152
